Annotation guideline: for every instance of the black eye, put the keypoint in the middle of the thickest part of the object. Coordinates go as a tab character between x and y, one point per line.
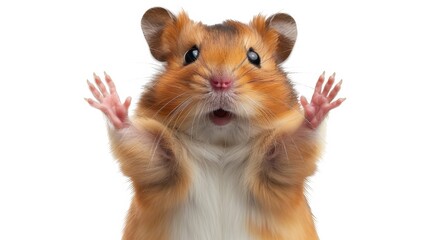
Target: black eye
253	57
191	55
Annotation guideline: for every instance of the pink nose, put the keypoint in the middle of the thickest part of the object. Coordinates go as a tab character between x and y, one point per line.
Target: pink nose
220	83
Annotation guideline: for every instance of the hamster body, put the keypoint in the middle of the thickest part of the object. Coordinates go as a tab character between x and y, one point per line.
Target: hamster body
219	146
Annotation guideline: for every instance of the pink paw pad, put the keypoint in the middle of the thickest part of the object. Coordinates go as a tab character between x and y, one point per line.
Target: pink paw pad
322	101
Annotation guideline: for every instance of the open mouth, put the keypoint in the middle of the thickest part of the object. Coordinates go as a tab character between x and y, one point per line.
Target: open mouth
220	117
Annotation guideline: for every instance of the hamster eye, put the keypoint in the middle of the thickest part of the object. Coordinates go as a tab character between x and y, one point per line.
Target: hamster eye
192	55
253	57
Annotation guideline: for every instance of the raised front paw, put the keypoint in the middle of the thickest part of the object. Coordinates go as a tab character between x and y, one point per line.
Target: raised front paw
322	101
108	102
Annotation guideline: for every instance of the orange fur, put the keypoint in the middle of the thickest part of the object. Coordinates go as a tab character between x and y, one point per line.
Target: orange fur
277	182
283	153
157	180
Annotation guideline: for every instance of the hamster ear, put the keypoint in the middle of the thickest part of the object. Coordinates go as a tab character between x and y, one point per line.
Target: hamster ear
285	26
153	23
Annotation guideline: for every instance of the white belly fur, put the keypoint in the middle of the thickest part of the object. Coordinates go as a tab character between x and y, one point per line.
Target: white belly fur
217	205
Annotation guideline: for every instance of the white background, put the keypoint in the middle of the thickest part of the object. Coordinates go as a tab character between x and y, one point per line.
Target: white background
59	181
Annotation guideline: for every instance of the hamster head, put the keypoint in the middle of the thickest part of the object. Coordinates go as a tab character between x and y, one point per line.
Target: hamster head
223	82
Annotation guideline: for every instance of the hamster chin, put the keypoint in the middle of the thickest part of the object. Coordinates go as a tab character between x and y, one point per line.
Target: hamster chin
221	127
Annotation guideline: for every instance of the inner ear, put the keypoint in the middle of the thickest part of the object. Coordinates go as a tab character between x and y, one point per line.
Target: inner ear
153	23
285	26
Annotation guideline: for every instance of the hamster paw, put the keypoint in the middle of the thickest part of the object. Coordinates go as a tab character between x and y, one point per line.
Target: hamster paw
108	102
322	101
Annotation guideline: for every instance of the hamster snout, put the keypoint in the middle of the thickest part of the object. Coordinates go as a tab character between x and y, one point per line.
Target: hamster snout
222	99
220	83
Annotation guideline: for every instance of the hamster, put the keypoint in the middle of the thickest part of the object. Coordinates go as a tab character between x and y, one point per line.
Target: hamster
220	145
